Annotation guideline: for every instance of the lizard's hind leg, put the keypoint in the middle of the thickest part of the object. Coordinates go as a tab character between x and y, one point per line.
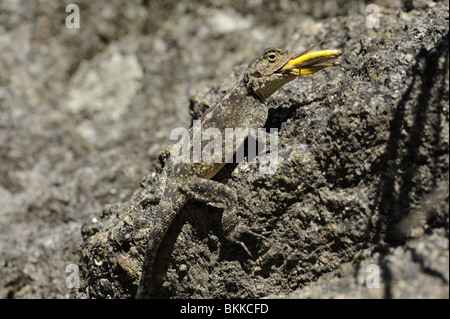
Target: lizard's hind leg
209	191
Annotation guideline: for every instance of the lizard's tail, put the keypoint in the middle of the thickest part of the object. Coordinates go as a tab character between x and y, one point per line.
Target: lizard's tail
160	222
147	268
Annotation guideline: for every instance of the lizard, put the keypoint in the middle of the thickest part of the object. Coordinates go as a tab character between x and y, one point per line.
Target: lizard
242	106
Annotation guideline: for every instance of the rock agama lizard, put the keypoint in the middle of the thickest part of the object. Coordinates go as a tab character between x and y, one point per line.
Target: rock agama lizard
243	106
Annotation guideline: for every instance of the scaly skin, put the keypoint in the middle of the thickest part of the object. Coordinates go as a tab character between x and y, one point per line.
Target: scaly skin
243	106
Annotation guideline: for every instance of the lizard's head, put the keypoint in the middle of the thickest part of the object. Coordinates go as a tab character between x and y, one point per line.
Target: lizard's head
267	73
264	76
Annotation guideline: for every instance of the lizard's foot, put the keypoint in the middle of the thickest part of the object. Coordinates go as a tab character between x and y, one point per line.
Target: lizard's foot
222	196
235	235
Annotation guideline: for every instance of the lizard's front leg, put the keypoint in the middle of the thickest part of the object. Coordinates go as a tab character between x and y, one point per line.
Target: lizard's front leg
209	191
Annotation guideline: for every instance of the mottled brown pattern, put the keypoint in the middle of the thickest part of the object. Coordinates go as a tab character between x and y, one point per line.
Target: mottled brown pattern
243	106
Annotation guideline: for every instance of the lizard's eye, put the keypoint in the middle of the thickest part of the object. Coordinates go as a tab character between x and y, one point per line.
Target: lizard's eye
271	57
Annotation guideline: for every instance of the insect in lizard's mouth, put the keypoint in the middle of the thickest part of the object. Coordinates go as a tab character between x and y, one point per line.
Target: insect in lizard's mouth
309	63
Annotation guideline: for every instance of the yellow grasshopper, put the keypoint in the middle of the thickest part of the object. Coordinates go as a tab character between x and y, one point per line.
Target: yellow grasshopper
311	62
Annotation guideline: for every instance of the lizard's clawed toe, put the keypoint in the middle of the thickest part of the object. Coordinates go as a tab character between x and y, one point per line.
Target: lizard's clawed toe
236	234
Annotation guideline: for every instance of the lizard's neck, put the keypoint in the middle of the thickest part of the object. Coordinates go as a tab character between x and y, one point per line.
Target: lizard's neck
238	108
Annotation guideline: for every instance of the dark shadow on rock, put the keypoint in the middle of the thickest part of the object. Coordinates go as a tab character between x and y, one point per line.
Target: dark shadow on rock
403	157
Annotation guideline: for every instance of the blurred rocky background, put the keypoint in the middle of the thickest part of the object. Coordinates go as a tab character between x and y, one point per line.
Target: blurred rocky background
363	180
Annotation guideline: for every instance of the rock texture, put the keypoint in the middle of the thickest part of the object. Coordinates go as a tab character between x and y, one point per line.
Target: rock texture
362	183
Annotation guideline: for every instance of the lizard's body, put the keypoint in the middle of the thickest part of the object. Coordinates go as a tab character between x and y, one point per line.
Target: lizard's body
242	107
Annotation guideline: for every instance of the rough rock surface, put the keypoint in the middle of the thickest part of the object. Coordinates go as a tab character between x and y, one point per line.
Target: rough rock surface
362	182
